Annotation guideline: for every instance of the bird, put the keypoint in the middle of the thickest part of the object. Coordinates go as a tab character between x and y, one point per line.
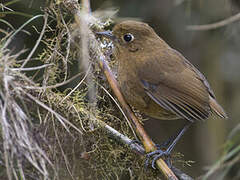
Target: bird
158	80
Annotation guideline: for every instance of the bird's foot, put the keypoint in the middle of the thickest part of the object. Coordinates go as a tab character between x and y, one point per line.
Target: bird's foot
156	155
160	152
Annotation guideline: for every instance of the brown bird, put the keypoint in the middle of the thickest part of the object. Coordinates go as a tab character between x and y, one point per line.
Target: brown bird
158	80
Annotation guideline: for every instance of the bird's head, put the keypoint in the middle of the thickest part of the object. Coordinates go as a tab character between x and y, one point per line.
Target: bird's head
132	36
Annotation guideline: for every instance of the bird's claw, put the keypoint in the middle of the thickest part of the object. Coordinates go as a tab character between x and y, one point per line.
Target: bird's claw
156	155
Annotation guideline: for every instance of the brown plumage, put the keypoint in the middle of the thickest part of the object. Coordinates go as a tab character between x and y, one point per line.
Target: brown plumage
157	79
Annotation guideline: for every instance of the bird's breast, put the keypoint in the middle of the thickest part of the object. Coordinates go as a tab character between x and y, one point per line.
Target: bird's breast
131	89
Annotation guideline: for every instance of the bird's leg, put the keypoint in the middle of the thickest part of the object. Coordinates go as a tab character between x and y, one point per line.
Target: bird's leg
165	144
158	153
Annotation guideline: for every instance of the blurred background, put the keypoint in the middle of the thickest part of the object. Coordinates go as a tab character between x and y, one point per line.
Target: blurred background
214	52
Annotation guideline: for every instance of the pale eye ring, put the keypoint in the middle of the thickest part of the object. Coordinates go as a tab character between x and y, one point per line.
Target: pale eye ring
128	37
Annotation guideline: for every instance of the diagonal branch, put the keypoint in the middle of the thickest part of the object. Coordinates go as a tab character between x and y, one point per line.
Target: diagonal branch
214	25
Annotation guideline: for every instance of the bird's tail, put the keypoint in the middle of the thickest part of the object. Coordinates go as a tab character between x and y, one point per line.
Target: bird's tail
217	109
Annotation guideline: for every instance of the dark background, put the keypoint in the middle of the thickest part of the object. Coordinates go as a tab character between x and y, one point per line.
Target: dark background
214	52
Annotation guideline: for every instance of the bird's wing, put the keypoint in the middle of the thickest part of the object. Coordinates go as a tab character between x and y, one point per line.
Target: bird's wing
176	85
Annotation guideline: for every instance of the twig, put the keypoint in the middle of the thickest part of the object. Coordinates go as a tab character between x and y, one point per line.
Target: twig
38	41
51	86
181	175
31	68
214	25
19	29
119	107
88	70
219	163
121	138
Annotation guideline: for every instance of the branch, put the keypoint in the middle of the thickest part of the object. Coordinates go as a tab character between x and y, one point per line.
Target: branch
214	25
121	138
138	149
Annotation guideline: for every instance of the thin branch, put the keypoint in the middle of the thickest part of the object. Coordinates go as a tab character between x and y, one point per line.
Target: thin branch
68	45
119	107
121	138
181	175
219	163
214	25
52	86
19	29
88	70
31	68
38	41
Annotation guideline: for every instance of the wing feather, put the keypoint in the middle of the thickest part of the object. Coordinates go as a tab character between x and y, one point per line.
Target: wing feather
180	90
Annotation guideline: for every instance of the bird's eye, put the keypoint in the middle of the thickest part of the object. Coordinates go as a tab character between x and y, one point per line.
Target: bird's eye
128	37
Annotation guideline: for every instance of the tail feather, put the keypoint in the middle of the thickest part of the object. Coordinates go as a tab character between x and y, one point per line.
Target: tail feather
216	108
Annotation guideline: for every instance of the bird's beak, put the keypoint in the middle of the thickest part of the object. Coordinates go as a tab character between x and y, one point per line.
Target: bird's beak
107	34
